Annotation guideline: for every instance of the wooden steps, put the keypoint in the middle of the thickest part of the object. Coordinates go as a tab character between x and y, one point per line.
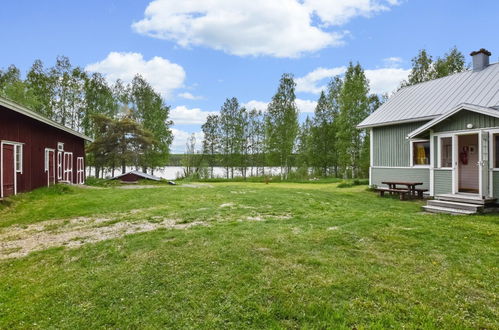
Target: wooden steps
460	204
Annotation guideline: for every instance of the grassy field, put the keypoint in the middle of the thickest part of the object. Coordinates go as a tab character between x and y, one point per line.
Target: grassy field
243	255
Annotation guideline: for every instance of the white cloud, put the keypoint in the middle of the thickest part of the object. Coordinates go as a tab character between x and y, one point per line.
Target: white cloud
163	75
189	96
258	105
306	105
381	80
386	80
302	105
308	83
180	137
392	62
339	12
280	28
183	115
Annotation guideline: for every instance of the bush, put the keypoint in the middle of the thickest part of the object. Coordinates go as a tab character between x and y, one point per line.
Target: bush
98	182
352	183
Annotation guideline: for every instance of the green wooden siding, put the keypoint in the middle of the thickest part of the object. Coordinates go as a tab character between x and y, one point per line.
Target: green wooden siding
459	121
401	174
442	182
391	146
496	184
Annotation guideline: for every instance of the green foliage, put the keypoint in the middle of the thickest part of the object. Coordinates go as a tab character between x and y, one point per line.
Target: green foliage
425	69
148	109
281	123
353	183
119	142
354	106
99	182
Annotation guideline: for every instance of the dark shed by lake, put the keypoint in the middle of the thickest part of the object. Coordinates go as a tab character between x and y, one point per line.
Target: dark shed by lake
36	151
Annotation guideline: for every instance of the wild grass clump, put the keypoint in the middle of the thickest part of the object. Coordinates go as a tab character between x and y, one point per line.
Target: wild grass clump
352	183
98	182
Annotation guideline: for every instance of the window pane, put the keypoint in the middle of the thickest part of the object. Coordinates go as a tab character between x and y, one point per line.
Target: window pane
446	152
421	153
19	158
496	151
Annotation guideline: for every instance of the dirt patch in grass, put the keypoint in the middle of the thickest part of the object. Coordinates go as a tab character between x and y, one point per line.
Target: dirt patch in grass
16	241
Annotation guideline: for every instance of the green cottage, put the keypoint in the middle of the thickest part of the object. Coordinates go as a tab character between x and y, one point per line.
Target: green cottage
444	133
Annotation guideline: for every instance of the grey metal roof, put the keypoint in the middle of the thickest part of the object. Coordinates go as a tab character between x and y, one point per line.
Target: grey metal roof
141	174
430	99
25	111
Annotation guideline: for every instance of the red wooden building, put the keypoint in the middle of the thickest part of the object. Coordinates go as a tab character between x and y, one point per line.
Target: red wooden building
36	151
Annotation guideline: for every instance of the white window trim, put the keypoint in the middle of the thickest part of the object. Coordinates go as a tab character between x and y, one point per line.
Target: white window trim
439	156
67	171
13	143
492	154
47	166
59	165
411	150
80	170
21	158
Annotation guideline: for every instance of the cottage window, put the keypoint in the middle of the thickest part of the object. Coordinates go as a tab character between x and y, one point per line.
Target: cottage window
19	158
59	165
496	150
421	153
446	152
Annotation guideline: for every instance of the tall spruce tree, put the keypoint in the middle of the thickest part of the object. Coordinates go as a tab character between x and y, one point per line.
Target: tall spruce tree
281	124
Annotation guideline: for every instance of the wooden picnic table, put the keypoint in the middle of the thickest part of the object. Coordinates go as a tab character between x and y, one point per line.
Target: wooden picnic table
411	186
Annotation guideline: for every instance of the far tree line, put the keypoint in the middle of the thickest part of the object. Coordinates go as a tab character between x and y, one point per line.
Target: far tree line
326	144
129	122
131	127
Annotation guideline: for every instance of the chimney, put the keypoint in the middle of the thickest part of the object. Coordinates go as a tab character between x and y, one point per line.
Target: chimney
480	59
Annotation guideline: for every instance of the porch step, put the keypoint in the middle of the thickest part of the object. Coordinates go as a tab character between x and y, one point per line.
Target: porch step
465	199
475	208
446	210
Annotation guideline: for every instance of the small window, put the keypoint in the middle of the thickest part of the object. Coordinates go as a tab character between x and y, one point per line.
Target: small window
59	165
19	158
446	152
60	146
421	153
496	150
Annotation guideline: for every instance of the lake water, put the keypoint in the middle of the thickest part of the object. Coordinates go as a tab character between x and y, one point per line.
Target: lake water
174	172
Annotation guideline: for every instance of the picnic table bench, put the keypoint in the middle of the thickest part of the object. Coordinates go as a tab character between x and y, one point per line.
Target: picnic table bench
409	189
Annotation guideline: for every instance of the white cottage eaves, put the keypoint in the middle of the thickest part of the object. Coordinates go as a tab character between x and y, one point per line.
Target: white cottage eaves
429	100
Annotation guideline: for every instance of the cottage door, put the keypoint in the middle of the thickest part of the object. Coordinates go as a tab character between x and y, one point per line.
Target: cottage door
8	170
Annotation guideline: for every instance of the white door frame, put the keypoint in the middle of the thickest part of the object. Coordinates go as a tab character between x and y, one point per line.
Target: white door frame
14	144
455	154
47	164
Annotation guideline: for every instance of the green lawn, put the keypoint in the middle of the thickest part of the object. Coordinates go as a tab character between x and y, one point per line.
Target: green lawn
281	255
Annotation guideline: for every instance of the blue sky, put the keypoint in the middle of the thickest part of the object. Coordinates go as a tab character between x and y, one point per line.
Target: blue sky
197	52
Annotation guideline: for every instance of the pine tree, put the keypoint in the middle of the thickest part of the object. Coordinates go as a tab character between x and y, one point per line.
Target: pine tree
281	124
